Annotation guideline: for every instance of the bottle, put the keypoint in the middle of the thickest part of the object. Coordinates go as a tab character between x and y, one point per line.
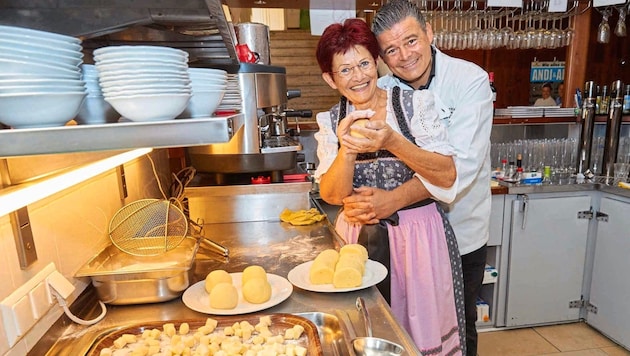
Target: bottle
598	101
626	100
494	90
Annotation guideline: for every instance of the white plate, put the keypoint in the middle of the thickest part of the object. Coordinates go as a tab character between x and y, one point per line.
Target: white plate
299	276
197	299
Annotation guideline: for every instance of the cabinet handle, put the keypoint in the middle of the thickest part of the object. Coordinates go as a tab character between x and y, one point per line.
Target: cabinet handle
525	204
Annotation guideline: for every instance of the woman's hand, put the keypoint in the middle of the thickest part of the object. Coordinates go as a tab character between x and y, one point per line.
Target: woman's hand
376	135
366	205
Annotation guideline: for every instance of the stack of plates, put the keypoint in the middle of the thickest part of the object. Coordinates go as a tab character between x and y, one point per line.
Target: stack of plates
208	88
40	80
554	111
523	111
232	98
95	110
144	83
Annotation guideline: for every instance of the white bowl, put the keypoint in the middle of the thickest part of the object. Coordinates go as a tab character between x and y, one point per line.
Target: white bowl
146	61
140	50
40	41
19	68
144	76
126	93
12	81
138	66
158	107
157	73
39	109
95	110
28	32
143	54
145	81
25	45
206	87
207	71
42	89
122	88
69	65
203	104
43	55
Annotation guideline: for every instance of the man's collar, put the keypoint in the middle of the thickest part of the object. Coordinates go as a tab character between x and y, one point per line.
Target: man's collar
431	75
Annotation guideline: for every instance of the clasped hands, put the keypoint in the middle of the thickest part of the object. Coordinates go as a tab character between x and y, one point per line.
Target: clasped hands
377	134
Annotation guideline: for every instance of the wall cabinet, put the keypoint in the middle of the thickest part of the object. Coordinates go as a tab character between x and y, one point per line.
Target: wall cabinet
546	258
608	309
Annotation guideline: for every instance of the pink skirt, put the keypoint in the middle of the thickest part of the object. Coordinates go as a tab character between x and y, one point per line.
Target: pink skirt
422	292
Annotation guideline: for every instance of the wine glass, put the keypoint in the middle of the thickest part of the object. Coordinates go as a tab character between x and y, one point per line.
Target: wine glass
603	30
620	28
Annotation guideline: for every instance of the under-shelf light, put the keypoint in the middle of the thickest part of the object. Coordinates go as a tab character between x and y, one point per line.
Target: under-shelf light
17	196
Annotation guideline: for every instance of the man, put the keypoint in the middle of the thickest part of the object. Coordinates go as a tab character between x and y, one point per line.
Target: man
560	94
546	99
464	99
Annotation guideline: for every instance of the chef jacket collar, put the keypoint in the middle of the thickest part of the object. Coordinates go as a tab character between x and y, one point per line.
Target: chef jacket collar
431	75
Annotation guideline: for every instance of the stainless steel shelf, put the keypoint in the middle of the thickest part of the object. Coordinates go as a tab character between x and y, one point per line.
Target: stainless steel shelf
123	135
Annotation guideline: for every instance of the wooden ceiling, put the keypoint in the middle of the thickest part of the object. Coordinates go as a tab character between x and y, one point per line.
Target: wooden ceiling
296	4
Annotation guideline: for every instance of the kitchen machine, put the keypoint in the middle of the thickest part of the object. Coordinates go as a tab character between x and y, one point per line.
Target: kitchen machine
265	146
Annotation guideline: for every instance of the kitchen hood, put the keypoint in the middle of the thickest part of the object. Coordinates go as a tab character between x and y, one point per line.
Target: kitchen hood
199	27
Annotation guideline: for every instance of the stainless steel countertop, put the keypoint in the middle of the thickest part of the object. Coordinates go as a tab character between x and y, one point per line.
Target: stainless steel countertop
274	245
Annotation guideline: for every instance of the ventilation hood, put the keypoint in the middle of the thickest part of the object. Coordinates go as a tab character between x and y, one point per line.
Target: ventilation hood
199	27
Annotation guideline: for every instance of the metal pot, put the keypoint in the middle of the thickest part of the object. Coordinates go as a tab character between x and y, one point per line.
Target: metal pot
373	346
256	36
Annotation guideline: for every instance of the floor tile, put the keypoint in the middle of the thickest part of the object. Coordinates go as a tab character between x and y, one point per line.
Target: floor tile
615	351
573	337
590	352
519	342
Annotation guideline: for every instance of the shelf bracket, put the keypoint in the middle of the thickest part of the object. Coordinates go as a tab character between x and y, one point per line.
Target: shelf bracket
22	232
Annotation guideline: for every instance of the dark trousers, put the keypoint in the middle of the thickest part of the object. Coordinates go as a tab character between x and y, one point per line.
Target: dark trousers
473	266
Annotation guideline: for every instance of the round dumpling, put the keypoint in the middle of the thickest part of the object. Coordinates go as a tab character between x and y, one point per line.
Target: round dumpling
253	272
215	277
328	257
224	296
257	291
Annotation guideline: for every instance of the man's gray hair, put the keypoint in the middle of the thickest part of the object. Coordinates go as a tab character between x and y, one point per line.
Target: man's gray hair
393	12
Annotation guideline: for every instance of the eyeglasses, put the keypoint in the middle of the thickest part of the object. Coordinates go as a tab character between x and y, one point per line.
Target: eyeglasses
364	66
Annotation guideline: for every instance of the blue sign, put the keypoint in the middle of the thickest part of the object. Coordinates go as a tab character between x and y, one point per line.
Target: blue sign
546	74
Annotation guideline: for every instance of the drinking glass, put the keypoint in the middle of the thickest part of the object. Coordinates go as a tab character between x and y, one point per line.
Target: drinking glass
621	171
620	28
603	30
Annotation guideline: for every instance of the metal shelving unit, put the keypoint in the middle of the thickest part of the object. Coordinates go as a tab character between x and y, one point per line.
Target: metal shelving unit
118	136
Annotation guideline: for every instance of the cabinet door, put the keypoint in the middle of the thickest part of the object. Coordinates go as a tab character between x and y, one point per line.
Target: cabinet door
546	263
610	284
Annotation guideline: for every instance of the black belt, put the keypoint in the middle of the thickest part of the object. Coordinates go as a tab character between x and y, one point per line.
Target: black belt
375	238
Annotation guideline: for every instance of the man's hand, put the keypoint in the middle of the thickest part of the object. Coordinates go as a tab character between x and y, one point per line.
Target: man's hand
366	205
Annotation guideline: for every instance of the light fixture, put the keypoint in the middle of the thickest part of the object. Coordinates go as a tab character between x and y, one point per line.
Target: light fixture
17	196
260	2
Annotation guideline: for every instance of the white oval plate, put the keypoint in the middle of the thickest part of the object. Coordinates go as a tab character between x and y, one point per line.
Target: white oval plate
197	299
299	276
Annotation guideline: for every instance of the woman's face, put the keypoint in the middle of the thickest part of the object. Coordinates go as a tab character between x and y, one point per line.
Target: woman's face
354	75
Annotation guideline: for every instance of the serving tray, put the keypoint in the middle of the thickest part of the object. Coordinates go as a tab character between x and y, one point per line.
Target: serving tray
279	323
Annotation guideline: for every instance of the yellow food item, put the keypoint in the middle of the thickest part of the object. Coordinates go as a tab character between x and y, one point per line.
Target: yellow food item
301	217
351	260
347	277
215	277
354	249
252	272
323	267
224	296
358	123
257	290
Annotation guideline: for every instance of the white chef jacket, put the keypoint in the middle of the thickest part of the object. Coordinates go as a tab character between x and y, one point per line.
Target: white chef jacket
464	101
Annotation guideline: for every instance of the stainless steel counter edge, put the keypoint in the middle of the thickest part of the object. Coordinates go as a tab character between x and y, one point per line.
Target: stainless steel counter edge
599	185
277	246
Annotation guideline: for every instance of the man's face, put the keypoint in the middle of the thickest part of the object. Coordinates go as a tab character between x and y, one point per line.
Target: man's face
406	49
546	92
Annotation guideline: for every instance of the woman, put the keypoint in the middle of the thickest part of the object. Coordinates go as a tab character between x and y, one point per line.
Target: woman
403	140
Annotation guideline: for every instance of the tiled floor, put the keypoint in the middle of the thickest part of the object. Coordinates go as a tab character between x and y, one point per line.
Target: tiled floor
577	339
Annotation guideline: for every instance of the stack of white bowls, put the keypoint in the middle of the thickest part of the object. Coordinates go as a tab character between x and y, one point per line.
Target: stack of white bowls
208	89
40	79
144	83
95	110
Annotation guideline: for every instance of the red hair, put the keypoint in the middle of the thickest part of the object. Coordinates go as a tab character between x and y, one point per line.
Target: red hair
339	38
